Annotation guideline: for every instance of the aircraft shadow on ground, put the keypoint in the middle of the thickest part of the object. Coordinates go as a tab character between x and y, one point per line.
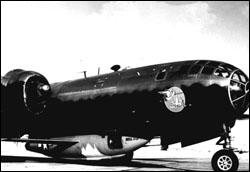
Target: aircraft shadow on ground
135	163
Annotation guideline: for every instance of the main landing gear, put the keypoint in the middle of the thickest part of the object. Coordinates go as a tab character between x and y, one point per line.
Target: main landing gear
225	159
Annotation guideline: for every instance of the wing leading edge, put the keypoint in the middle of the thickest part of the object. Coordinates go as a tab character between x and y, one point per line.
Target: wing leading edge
45	141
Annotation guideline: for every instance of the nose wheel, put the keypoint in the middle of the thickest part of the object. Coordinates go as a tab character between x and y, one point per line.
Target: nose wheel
225	159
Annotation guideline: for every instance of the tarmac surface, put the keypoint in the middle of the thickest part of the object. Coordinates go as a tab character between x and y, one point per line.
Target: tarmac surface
14	157
145	159
137	164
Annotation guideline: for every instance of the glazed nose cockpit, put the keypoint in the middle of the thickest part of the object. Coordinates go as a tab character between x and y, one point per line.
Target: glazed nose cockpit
237	84
239	91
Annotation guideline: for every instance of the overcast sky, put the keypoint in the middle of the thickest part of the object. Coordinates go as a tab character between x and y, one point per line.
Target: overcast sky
58	39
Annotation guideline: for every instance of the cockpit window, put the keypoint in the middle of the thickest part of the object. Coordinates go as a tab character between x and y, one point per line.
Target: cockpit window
236	77
202	62
213	64
161	75
195	69
243	78
221	72
208	70
227	67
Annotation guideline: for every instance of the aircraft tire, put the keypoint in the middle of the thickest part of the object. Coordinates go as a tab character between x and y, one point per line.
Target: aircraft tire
225	160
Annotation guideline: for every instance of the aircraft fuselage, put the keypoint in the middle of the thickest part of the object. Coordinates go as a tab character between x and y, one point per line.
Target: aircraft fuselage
134	101
131	101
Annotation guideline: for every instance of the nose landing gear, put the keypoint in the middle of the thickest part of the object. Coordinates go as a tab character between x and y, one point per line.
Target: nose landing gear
225	159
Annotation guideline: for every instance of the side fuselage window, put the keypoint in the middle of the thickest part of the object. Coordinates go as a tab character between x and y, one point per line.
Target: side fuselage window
161	75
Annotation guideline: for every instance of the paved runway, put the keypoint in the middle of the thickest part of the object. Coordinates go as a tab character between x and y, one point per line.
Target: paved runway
154	164
145	159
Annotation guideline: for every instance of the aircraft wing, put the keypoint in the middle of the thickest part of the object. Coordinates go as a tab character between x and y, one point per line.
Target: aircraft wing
45	141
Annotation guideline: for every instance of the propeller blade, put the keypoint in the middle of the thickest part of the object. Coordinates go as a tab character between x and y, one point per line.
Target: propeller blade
243	117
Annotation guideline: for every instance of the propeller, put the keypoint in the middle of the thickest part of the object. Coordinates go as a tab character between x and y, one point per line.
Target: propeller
243	117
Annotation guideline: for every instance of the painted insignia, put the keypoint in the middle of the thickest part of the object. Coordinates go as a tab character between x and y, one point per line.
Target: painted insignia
174	99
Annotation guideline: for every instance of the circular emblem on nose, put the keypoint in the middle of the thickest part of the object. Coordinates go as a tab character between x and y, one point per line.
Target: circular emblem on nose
174	99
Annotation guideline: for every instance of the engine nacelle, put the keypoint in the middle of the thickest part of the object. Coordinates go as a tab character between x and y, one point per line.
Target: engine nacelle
28	89
24	95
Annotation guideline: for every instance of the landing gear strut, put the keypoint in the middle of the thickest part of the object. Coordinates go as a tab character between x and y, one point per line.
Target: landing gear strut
225	159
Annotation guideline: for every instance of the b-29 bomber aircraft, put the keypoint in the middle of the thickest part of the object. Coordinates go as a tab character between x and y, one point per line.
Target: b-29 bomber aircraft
111	115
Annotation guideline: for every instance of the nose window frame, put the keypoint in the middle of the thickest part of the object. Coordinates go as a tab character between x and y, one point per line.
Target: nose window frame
222	73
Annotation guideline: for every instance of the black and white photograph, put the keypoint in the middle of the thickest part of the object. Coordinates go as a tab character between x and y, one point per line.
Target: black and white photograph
124	85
